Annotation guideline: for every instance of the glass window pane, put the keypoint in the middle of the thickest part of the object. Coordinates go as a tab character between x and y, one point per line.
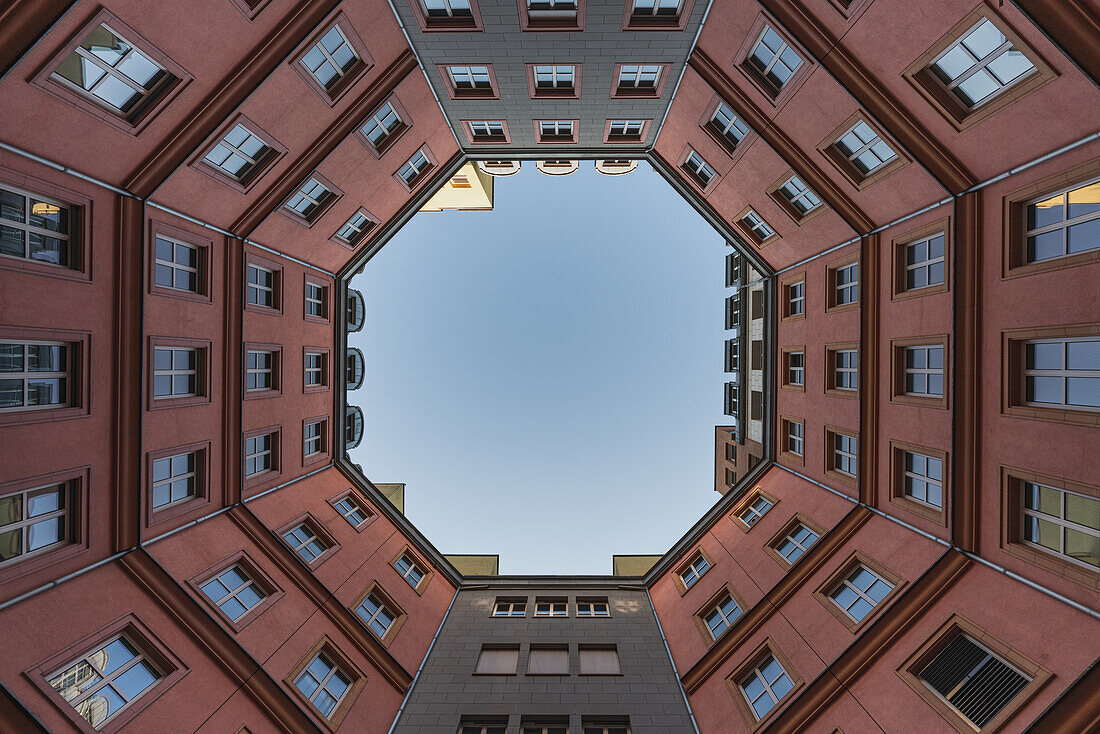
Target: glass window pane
1083	510
1085	548
1083	236
1083	391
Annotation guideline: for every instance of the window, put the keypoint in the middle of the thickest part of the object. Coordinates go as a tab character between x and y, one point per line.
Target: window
544	725
793	442
314	367
693	571
470	81
260	456
654	8
177	372
409	571
721	615
724	124
1053	374
551	15
497	661
263	287
842	454
548	660
356	228
733	355
599	660
35	375
304	541
36	521
556	131
920	371
311	200
764	685
354	369
121	81
377	617
626	131
353	427
1059	228
176	479
482	725
859	592
316	300
602	725
924	370
313	439
446	15
353	511
487	128
754	508
108	679
416	169
754	226
797	200
551	608
593	608
639	80
794	368
260	371
481	132
234	592
860	152
1054	524
795	541
843	365
323	683
553	80
918	480
924	262
510	608
772	61
333	61
794	298
38	229
844	285
698	170
241	154
177	265
656	15
383	127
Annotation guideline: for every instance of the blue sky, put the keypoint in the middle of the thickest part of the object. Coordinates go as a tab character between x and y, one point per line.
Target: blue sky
545	378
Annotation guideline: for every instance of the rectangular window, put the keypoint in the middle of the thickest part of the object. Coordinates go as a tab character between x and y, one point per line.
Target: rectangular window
486	129
693	571
845	284
548	660
316	300
304	541
314	369
176	372
593	608
924	371
234	592
471	81
107	680
178	265
980	65
733	355
356	228
36	521
483	725
551	15
655	8
722	615
1062	523
625	130
263	287
556	130
553	80
38	229
310	201
794	544
260	367
698	170
973	680
795	369
313	439
793	437
844	454
1062	373
764	686
551	608
383	124
241	154
1062	224
730	129
497	661
755	509
376	615
415	169
350	509
599	660
754	226
845	363
859	592
323	683
334	62
176	479
446	15
772	60
36	375
864	149
510	608
638	77
924	262
409	570
795	298
604	725
801	197
259	454
922	478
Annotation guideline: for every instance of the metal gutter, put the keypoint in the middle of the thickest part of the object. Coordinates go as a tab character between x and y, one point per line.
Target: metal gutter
675	673
423	660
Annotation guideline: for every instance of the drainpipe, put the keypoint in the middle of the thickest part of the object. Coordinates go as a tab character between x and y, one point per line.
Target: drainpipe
672	662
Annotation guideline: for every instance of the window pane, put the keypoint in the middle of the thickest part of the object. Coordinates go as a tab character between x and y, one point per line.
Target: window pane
1083	510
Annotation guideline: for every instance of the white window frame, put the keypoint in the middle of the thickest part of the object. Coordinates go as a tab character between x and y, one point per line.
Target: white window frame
335	670
510	608
800	196
299	538
1064	225
173	265
449	8
756	224
755	509
694	570
172	373
371	617
913	374
852	152
259	370
329	58
656	8
349	508
92	659
699	169
1063	374
765	67
67	239
639	76
556	128
61	518
912	268
233	593
551	608
258	293
757	673
486	129
795	438
224	150
357	226
848	291
26	376
1063	524
310	198
593	608
847	583
796	373
556	76
313	439
626	128
413	574
414	168
316	297
978	65
729	125
469	78
917	485
723	619
796	298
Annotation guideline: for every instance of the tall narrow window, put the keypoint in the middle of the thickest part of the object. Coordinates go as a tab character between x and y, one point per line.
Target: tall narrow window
729	128
35	375
772	60
313	439
765	685
316	300
846	284
176	479
106	680
176	372
37	228
793	438
36	521
234	592
843	454
845	364
795	298
795	369
922	478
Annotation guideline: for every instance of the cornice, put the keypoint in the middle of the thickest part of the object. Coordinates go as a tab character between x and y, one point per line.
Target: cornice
23	24
1072	27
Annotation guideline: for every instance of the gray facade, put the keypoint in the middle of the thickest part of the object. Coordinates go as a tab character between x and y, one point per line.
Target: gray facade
450	692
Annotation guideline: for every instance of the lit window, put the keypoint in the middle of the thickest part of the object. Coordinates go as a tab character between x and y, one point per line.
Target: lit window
800	196
316	300
730	128
859	592
314	369
593	608
722	616
110	71
975	682
655	8
796	368
794	437
699	170
35	521
260	371
755	510
638	77
1063	224
234	592
355	228
773	60
35	375
550	129
323	684
694	570
414	168
510	608
554	77
409	571
757	227
844	456
797	541
175	372
625	128
106	680
447	8
177	265
487	129
1064	523
376	615
924	262
765	686
313	438
980	65
595	661
470	78
309	200
240	154
922	478
331	59
259	454
796	298
262	286
175	479
845	284
351	511
551	608
845	369
924	371
864	149
35	228
304	541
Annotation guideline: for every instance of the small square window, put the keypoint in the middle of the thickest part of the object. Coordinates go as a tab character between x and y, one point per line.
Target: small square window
548	660
797	200
178	372
311	200
593	607
842	370
306	542
755	228
327	682
510	608
791	543
861	152
476	81
177	265
920	371
726	126
554	81
639	80
379	614
690	573
858	588
720	614
750	510
410	571
352	509
772	60
416	170
356	229
333	60
920	261
241	154
383	127
551	607
764	680
234	592
698	170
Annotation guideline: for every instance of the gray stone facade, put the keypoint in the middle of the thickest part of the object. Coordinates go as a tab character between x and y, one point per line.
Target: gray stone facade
449	692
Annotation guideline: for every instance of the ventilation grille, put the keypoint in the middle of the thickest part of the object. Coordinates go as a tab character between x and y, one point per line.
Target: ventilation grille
973	680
